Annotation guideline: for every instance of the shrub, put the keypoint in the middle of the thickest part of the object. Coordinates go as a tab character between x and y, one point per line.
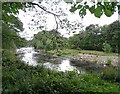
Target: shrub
109	61
111	74
107	47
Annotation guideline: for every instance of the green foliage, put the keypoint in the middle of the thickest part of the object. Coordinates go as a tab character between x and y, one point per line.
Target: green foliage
74	42
111	35
8	55
9	10
92	9
10	39
108	12
100	53
49	40
20	78
108	8
66	52
98	11
10	26
110	74
87	39
94	36
82	12
109	61
11	7
107	48
73	9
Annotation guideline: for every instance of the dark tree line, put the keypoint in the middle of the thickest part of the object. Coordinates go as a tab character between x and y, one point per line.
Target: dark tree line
94	36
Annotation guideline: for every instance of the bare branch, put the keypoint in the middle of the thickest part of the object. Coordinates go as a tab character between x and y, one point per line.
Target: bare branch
56	23
43	9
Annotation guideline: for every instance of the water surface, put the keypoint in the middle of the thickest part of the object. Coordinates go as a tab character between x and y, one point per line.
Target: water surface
28	57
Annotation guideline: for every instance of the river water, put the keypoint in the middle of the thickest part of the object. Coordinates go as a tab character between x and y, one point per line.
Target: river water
28	55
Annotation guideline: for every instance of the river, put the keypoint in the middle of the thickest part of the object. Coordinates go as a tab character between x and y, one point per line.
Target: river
28	56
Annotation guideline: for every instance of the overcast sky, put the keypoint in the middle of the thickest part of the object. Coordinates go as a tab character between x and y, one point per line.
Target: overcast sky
86	21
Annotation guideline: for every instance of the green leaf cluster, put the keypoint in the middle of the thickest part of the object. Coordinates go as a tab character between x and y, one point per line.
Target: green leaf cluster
108	8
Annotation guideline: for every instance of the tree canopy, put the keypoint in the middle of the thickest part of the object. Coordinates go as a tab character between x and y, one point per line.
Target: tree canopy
96	37
11	25
46	40
97	8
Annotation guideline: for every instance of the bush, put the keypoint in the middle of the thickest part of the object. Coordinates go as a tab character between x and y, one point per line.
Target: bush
109	61
107	47
44	81
110	74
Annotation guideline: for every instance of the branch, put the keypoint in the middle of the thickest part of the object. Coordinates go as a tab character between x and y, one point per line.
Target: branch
56	23
55	15
43	9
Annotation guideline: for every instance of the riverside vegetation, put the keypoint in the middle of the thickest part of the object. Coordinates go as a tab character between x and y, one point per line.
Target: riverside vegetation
19	78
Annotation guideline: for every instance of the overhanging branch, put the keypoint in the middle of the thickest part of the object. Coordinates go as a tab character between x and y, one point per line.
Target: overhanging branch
44	9
55	15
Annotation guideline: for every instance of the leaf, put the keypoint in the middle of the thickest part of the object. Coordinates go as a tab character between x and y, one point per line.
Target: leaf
98	12
106	3
92	9
87	7
108	13
82	12
79	6
73	9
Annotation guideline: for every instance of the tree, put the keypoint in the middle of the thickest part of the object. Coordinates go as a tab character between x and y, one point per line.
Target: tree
107	48
111	35
46	40
74	42
95	36
11	25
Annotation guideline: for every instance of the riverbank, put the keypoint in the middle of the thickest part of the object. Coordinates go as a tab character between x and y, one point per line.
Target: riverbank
98	57
21	78
106	60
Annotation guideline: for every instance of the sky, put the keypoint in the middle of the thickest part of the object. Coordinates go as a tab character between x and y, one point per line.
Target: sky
50	21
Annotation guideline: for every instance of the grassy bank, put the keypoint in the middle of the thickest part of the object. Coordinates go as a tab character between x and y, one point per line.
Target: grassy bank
70	52
100	53
19	78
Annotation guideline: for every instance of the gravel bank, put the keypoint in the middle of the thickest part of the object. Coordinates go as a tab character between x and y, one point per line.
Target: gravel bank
115	60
